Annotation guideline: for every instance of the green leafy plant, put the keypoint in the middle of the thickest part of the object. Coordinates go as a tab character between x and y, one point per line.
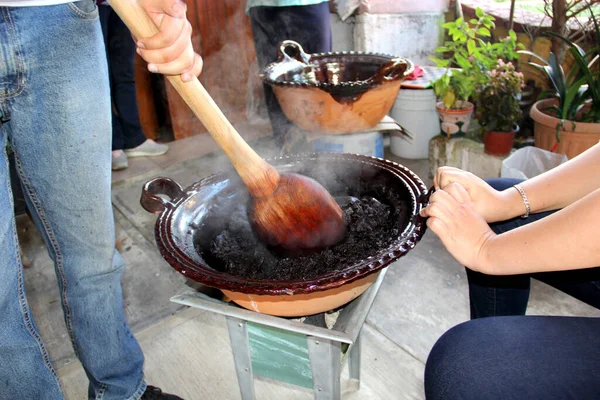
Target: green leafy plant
578	92
469	55
497	100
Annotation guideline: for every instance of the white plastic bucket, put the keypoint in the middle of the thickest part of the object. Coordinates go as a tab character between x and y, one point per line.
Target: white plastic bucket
367	143
414	109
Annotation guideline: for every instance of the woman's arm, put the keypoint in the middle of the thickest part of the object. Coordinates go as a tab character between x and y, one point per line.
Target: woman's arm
568	239
566	183
551	190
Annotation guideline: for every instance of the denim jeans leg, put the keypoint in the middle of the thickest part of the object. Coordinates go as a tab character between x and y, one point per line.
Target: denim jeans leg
516	357
60	131
120	51
501	295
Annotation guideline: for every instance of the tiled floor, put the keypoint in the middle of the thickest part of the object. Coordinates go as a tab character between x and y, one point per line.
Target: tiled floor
188	351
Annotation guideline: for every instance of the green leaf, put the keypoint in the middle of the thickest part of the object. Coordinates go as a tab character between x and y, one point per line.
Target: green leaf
441	63
471	46
532	54
462	62
489	23
449	25
460	36
479	12
473	21
449	99
512	34
484	32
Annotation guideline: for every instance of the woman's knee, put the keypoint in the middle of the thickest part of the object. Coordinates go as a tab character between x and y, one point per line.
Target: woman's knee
463	362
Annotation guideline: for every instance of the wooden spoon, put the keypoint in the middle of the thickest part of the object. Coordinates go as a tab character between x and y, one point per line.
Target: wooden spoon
289	211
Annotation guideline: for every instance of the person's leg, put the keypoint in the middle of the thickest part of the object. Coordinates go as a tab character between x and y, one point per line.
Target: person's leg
308	25
516	358
60	132
500	295
121	53
26	371
105	12
583	284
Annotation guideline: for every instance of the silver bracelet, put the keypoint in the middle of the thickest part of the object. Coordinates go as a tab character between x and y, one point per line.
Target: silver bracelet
525	200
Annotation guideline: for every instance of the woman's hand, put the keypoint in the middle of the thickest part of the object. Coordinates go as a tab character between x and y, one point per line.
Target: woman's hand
462	230
488	202
170	51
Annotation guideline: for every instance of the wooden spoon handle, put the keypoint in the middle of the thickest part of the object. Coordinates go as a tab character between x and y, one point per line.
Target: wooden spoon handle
260	177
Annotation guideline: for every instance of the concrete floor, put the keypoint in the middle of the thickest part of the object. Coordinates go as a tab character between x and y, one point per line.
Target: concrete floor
188	350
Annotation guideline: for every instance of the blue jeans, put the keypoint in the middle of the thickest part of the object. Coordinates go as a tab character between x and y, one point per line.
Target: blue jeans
516	357
511	356
120	51
55	112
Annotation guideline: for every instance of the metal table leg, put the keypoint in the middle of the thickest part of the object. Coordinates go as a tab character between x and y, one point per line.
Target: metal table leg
325	362
354	362
238	336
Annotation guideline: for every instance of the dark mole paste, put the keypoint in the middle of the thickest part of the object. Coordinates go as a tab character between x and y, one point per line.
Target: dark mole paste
374	217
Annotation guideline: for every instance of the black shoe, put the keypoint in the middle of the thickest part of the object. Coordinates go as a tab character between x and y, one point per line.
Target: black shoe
154	393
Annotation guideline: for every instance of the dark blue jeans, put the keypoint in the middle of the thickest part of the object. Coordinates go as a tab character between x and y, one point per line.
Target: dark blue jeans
308	25
120	53
512	356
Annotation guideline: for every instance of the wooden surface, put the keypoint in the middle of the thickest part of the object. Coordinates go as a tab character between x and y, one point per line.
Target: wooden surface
146	99
223	37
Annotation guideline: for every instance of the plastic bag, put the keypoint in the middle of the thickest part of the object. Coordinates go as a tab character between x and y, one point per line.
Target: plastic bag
345	8
530	161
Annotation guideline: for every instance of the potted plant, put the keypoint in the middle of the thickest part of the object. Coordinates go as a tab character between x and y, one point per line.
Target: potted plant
498	108
468	57
567	121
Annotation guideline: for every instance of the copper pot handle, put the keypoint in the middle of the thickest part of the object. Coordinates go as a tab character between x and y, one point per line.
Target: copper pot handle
160	186
298	55
391	70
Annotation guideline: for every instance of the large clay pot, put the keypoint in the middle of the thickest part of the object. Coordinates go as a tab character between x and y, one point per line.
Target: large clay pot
575	137
499	143
338	92
455	122
185	209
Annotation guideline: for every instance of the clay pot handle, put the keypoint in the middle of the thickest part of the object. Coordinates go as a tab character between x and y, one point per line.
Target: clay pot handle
298	52
424	198
398	67
160	186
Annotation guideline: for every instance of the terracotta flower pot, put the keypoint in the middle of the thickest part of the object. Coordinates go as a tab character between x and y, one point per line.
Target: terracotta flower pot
575	138
498	143
455	122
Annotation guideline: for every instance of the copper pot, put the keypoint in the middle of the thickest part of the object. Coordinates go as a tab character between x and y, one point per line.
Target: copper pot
338	92
188	208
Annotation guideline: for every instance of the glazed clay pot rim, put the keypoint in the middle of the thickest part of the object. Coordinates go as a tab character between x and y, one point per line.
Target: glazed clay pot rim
515	131
464	110
541	117
385	58
411	235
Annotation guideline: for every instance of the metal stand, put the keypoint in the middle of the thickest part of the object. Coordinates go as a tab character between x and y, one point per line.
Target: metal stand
323	350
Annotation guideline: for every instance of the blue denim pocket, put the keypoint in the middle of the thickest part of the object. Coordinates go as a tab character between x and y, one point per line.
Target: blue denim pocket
85	9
